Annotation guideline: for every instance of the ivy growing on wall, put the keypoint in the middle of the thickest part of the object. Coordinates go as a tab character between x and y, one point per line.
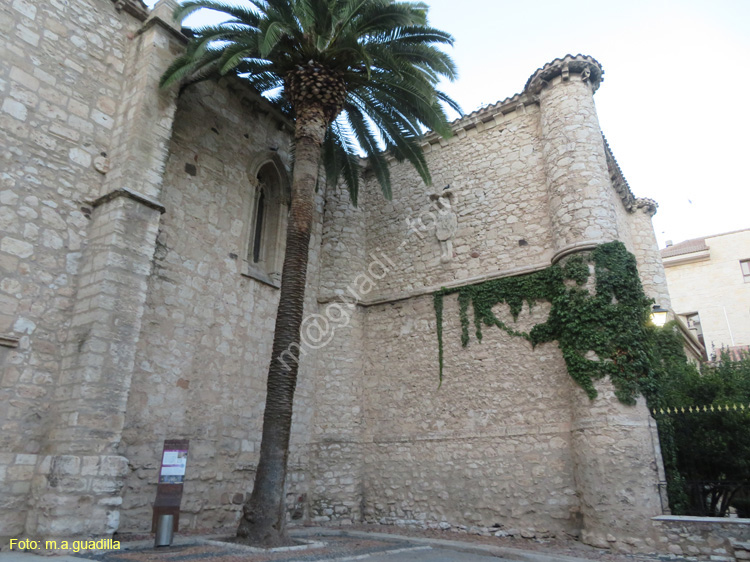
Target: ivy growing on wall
601	327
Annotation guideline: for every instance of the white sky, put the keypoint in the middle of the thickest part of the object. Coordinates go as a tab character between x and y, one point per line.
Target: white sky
674	102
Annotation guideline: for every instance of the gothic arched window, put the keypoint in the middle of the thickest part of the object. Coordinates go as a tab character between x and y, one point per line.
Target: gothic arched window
265	232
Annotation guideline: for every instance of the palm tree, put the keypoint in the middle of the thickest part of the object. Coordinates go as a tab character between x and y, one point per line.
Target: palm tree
355	75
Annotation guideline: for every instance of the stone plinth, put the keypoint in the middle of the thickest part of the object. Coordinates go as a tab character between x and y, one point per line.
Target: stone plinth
76	496
616	470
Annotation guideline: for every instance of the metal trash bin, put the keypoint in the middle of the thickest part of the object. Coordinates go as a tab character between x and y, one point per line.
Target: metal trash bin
164	530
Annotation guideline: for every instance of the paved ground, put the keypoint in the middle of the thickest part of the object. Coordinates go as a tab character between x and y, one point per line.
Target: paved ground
419	554
333	545
339	549
429	554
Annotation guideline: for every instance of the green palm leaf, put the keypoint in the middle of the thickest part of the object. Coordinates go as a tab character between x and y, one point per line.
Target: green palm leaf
386	51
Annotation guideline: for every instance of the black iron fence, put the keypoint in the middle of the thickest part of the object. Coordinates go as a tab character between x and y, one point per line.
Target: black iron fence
706	453
700	409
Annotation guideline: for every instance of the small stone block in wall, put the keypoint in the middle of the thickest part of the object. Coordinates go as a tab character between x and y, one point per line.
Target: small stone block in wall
26	459
741	550
66	464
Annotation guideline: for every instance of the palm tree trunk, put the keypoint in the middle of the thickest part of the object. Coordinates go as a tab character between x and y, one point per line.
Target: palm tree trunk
263	519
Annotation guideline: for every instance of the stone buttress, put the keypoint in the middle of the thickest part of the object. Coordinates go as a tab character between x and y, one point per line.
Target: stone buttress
76	489
337	449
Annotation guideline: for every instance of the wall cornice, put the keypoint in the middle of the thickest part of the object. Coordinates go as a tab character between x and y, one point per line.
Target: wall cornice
130	194
587	67
165	25
487	117
682	259
619	183
406	295
135	8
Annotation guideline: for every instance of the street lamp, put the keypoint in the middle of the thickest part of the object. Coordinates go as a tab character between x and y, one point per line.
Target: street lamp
658	316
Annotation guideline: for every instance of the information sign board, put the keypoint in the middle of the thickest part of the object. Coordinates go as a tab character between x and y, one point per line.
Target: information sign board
171	478
173	464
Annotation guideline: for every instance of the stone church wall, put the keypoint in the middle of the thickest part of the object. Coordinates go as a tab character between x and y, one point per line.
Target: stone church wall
509	438
63	71
490	446
201	366
127	317
494	170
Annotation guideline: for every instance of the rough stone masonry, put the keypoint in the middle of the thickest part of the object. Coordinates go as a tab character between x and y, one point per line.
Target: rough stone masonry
133	307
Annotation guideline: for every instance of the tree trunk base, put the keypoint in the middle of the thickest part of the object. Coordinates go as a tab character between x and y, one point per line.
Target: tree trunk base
258	532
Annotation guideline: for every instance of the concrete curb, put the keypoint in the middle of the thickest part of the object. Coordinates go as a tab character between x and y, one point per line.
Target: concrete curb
254	550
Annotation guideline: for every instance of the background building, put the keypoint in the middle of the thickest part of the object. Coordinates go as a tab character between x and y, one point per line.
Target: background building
709	283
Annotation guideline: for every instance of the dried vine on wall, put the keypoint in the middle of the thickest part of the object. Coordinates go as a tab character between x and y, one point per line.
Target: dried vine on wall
601	330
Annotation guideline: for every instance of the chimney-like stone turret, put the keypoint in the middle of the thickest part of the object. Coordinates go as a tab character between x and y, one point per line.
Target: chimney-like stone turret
617	486
580	203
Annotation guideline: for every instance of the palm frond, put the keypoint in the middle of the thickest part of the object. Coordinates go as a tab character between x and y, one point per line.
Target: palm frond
388	56
340	159
241	13
273	33
369	143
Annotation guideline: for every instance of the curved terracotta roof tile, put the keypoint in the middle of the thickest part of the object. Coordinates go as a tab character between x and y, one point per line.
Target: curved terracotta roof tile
686	247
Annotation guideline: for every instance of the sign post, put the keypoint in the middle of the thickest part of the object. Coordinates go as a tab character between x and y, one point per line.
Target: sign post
171	479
